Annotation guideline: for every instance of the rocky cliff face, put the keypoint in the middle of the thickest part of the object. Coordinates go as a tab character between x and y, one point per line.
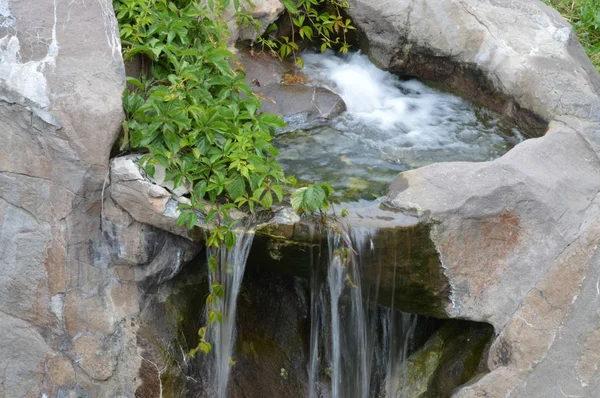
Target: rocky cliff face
65	302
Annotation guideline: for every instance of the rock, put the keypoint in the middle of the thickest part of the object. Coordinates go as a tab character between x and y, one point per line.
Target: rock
450	358
301	105
24	352
273	330
464	45
265	11
60	106
97	357
74	265
517	237
140	252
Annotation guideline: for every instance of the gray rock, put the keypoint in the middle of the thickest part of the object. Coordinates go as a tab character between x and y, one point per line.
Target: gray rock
265	11
61	79
301	105
69	282
517	237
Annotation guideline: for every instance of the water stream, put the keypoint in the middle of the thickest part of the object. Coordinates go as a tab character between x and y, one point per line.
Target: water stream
369	343
390	126
229	273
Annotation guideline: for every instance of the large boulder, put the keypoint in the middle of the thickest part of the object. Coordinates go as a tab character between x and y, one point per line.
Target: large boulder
61	78
517	237
519	57
74	267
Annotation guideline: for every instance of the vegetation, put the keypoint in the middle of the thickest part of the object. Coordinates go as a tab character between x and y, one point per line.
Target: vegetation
310	20
584	15
193	115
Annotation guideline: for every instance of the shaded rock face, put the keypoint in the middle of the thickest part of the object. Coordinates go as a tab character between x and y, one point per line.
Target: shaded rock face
517	237
449	358
272	346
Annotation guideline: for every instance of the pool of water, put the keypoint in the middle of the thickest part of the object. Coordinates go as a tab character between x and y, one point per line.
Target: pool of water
390	126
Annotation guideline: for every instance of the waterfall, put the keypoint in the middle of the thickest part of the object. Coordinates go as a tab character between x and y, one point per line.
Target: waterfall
316	314
369	343
229	273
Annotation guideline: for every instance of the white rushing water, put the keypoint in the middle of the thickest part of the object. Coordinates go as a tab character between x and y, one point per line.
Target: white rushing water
390	126
229	273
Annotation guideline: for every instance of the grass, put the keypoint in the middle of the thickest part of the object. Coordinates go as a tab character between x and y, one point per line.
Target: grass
584	15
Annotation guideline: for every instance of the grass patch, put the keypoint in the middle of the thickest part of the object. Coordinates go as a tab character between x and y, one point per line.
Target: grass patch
584	15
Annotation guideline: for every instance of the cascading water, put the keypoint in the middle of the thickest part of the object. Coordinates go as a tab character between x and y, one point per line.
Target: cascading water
368	343
390	126
229	273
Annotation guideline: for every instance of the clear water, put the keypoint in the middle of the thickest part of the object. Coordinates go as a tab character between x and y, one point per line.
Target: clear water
368	343
390	126
229	273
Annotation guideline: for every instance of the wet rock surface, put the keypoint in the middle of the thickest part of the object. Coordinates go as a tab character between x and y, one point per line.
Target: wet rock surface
299	104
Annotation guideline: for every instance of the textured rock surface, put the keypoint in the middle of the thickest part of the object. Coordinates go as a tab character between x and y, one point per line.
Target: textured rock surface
518	237
70	284
61	78
265	11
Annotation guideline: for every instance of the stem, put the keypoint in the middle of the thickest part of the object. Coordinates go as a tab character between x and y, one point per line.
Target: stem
293	39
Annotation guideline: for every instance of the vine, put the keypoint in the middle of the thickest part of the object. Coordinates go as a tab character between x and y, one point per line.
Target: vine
319	20
193	115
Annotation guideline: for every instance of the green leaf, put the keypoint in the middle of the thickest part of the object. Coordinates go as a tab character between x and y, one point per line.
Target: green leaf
205	347
272	120
236	187
211	214
230	239
192	220
306	31
267	200
291	7
150	169
298	199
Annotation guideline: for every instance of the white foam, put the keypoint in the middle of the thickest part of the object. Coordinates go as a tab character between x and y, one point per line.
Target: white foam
389	113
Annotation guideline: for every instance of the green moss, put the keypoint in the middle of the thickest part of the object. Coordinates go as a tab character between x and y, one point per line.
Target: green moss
584	15
450	358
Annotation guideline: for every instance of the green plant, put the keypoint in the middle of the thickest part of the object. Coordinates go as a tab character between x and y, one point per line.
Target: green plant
584	15
320	20
193	115
312	198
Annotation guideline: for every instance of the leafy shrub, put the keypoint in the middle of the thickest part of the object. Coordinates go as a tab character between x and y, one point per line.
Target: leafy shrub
193	115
